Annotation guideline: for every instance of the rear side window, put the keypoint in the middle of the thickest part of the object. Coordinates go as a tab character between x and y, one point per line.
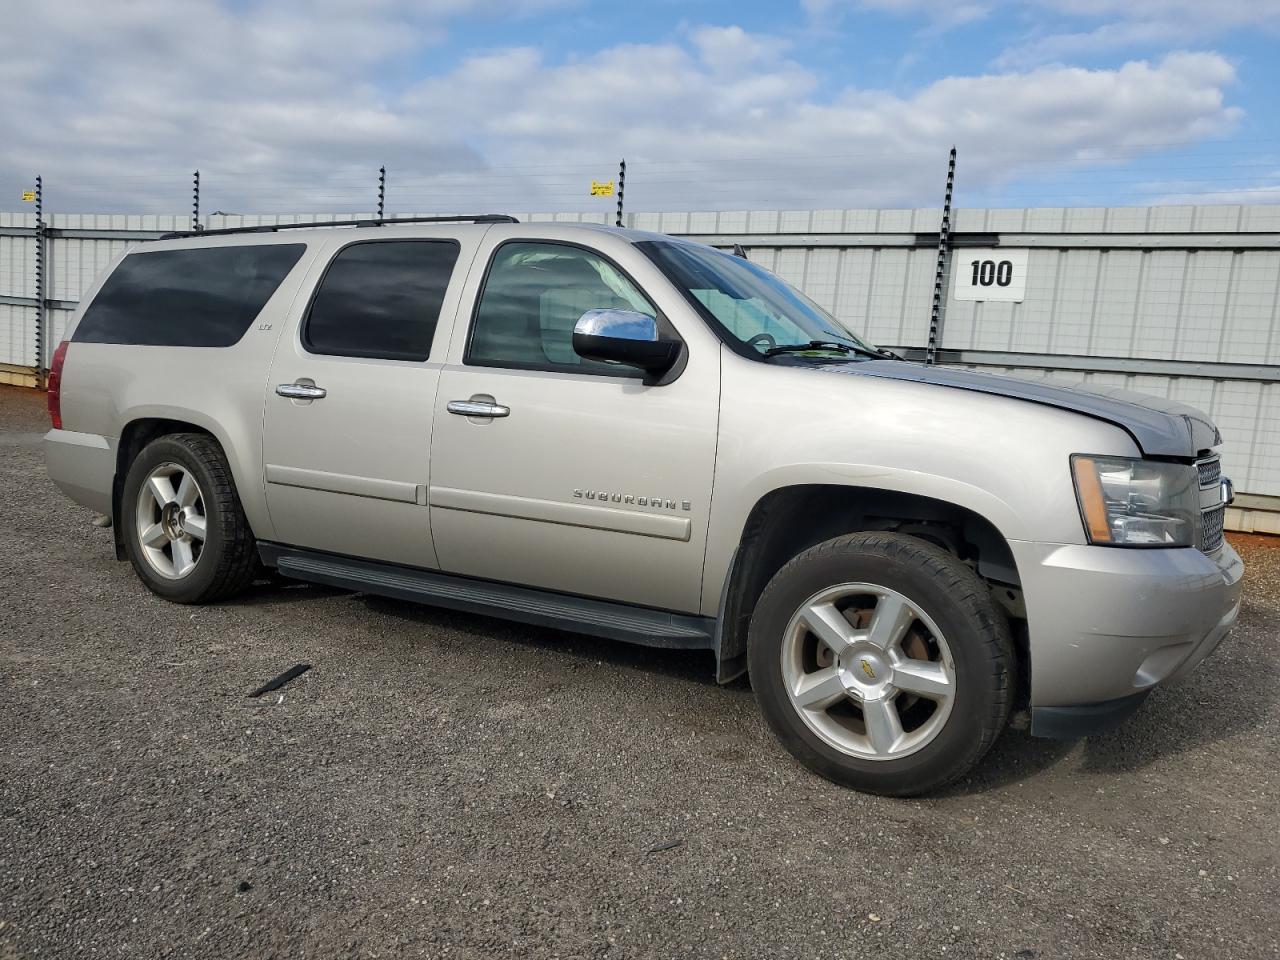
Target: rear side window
202	297
382	299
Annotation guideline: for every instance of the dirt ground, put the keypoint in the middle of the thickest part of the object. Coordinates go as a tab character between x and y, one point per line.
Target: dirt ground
444	785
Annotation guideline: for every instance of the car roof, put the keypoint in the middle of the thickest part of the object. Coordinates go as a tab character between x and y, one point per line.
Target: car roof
290	233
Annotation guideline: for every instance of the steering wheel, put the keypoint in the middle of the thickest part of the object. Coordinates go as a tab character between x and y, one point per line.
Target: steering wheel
763	338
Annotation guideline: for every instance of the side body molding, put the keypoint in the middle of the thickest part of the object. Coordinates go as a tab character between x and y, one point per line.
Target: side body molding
374	487
570	514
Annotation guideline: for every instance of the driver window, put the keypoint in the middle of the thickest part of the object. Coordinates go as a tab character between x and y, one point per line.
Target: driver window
533	297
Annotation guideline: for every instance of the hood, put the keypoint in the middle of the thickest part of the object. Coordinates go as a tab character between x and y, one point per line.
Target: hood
1160	428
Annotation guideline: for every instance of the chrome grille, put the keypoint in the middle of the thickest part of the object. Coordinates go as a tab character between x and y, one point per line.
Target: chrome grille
1210	471
1211	529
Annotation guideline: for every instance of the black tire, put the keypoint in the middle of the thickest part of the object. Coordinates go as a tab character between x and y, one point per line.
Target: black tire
228	561
953	596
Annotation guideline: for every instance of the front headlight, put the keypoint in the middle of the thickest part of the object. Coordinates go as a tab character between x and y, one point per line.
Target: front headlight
1136	503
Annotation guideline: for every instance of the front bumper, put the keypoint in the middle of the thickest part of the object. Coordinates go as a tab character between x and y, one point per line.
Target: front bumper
1108	624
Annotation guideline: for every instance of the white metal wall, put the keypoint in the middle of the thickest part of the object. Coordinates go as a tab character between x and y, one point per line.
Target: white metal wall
1143	303
17	279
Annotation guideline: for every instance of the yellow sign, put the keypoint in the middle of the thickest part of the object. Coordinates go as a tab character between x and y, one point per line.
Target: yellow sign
29	196
599	189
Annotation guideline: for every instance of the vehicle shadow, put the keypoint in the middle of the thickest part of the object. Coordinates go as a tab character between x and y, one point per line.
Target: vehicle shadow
696	666
275	590
1015	756
1233	695
1211	705
1202	709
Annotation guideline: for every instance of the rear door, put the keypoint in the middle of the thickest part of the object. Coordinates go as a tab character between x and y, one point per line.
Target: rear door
347	426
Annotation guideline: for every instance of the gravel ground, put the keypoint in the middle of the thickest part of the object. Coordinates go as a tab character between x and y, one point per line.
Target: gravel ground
446	785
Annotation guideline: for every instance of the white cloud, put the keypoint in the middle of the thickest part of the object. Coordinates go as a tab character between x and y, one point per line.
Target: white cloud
120	105
1261	193
765	138
1226	12
1130	24
1091	26
941	14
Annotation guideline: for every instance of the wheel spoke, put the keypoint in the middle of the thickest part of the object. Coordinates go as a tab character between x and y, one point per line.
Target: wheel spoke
194	525
188	492
818	690
829	625
884	726
890	621
924	677
183	560
154	536
161	489
903	691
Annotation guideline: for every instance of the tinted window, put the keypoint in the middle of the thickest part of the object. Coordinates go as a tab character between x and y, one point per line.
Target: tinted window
533	296
381	299
203	297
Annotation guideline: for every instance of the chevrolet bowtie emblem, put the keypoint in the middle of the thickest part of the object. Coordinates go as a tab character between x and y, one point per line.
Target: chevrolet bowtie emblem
866	668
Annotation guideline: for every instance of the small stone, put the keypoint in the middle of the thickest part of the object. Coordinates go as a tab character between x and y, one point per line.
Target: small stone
873	917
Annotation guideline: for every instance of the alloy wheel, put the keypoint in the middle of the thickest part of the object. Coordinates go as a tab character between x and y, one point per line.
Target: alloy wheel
868	671
171	522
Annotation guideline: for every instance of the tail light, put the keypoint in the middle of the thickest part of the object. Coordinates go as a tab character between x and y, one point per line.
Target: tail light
55	385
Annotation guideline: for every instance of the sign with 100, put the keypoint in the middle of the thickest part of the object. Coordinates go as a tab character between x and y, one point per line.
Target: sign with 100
989	273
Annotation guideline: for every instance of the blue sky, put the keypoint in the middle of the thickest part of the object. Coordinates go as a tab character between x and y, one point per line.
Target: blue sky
292	105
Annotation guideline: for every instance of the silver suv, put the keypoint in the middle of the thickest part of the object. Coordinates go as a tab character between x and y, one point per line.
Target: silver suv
643	438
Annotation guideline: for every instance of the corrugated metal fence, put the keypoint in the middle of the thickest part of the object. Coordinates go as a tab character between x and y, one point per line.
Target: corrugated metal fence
1175	301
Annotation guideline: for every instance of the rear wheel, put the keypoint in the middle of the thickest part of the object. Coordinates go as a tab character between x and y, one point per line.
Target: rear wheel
184	530
881	662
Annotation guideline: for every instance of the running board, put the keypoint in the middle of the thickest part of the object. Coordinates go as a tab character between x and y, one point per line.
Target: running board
600	618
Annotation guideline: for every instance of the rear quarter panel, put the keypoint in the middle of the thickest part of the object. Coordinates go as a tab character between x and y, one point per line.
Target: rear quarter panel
107	386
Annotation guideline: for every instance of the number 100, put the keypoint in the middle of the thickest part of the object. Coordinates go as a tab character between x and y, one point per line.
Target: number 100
987	273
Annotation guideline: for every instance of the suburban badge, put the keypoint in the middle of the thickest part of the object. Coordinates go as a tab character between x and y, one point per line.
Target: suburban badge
632	500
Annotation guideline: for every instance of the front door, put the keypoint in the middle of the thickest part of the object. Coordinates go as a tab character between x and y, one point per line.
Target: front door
347	430
576	476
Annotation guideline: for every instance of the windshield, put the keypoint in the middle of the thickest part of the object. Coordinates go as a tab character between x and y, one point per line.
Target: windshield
748	302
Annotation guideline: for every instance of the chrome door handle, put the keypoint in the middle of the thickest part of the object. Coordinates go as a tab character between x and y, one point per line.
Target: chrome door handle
301	391
478	408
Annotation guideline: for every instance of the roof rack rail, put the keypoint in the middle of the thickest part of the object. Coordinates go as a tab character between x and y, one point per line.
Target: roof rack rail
274	227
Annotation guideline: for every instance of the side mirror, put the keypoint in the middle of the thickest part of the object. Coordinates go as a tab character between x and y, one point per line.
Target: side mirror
624	336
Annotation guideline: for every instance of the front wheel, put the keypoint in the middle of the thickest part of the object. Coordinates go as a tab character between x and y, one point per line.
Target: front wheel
881	662
183	527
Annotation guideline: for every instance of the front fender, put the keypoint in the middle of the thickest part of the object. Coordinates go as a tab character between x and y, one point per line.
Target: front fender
1002	458
862	479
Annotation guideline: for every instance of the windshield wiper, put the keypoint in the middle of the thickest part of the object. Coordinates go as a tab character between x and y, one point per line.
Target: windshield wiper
820	345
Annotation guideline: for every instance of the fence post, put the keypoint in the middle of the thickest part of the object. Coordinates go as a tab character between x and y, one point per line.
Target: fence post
939	312
382	189
41	312
195	204
622	180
